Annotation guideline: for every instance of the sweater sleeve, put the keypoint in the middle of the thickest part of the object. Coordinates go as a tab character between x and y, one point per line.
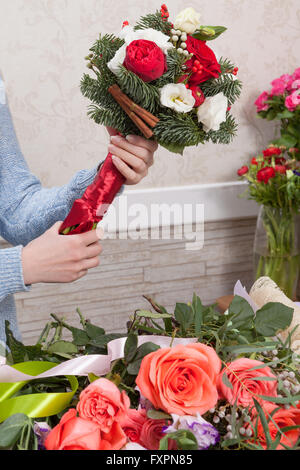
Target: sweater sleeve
27	209
11	272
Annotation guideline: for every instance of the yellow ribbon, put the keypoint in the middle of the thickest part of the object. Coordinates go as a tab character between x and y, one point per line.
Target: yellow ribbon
37	405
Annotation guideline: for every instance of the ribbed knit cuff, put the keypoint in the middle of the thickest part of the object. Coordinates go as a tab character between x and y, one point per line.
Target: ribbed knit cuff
11	272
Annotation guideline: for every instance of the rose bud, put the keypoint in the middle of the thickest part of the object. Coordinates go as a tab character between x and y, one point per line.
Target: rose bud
280	169
198	95
265	174
243	171
145	59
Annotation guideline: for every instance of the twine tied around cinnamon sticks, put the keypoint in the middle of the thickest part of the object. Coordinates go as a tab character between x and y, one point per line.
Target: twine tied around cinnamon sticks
140	116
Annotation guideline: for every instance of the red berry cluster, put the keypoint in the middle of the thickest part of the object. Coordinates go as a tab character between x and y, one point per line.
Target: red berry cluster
164	12
235	71
125	23
197	67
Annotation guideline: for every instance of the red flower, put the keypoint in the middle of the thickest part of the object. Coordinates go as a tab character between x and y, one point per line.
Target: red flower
280	169
198	95
254	161
272	151
203	54
265	174
145	59
242	171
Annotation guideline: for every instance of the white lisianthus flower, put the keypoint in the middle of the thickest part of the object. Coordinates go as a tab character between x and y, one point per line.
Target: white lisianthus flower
129	35
213	112
133	446
188	20
176	96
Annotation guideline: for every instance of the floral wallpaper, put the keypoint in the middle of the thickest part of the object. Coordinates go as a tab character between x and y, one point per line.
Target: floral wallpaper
42	48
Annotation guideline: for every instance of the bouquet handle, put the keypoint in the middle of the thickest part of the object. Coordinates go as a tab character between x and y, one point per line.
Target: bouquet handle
90	209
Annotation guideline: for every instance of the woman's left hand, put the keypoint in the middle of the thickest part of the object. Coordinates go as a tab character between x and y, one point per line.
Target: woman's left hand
132	156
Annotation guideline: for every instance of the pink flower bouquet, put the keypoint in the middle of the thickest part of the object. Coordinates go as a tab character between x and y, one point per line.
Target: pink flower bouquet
282	102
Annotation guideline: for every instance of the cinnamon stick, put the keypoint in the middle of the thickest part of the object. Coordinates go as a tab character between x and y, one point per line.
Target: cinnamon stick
146	131
121	98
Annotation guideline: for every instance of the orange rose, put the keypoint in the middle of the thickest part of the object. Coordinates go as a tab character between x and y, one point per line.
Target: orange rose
283	418
244	382
182	379
103	403
73	433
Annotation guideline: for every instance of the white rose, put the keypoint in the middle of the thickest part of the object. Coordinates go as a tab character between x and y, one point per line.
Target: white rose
188	20
177	97
129	35
213	112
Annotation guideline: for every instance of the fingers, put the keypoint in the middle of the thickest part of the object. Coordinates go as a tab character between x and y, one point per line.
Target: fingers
142	142
133	161
88	238
93	250
130	175
121	146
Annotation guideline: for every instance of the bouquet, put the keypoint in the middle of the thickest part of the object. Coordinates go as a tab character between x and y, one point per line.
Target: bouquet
159	80
194	379
282	103
274	182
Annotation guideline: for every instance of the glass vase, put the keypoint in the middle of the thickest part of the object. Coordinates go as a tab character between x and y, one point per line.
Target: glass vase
277	248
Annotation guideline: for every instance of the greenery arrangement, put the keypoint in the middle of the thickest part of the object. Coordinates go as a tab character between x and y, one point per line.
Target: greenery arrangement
257	384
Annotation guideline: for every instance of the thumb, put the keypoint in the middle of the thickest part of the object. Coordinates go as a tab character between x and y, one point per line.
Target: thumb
55	228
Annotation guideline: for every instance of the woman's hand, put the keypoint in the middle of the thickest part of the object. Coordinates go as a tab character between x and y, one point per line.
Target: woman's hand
132	156
57	258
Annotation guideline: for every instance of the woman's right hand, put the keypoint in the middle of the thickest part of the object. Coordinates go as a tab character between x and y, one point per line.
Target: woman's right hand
55	258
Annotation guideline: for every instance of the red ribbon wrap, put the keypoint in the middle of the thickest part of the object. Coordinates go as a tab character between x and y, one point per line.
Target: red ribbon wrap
93	205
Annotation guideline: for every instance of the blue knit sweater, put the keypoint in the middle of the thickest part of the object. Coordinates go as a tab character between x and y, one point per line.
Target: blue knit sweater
26	211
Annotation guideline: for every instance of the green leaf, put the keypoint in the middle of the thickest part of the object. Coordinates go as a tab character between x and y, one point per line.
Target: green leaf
208	33
172	147
93	331
80	337
273	317
130	347
286	140
10	430
149	314
257	347
242	312
102	341
156	414
226	381
62	346
198	314
264	423
185	440
286	114
142	351
184	315
281	400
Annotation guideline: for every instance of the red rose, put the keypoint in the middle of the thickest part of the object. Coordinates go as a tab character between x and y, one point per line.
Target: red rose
202	53
271	152
198	95
242	171
145	59
265	174
254	161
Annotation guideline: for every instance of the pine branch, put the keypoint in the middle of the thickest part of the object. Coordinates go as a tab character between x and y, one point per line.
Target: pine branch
175	62
110	118
179	129
224	83
226	133
106	47
154	21
226	65
142	93
96	91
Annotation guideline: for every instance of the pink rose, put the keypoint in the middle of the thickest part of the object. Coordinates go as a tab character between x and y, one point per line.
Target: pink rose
73	433
280	85
152	433
295	84
293	100
132	424
244	382
296	74
261	102
103	403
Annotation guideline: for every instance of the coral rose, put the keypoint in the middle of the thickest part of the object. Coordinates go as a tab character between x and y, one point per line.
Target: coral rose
73	433
245	383
103	403
283	418
182	379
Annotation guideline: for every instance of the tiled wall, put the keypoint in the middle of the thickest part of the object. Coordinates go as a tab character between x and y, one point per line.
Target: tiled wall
163	269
